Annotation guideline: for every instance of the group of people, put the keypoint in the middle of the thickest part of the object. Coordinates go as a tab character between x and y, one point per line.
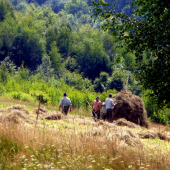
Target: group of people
108	106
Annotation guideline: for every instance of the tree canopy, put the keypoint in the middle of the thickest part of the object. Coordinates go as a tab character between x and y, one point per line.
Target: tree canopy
148	29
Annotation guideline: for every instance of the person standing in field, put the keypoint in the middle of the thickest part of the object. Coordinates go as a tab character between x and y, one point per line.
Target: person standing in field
109	108
65	104
96	105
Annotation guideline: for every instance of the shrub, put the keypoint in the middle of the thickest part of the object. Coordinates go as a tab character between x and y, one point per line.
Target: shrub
159	118
20	96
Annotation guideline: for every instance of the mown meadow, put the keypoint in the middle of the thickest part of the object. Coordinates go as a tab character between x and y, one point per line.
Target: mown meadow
63	144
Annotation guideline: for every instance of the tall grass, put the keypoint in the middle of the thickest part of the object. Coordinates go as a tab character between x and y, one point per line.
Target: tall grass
58	148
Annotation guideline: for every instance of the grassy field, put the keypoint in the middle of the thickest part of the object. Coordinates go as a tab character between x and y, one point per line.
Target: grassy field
77	142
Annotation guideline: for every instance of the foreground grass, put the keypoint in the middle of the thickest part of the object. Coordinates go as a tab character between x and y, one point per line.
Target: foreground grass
24	148
66	145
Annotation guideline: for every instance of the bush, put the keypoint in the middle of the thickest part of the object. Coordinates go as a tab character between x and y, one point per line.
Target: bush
20	96
159	118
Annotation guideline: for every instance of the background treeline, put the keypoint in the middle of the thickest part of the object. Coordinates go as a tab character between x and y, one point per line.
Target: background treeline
63	46
48	47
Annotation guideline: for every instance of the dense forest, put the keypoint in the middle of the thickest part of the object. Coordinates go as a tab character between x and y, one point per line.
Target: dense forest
60	44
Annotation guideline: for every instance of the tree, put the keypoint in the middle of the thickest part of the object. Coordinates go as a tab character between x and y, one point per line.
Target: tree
55	57
64	40
56	5
148	29
100	84
92	60
51	36
74	6
5	8
27	46
8	30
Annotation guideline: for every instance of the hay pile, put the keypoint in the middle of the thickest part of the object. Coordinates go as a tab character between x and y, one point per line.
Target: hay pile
15	114
131	108
52	116
153	134
124	122
48	115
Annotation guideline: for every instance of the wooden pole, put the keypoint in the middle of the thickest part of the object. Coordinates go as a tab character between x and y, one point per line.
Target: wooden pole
126	84
37	113
89	104
38	108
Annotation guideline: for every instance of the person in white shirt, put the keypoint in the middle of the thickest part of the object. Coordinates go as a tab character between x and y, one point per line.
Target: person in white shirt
109	107
65	104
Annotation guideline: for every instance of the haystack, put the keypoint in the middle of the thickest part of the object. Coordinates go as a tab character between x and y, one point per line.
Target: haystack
52	115
131	108
15	114
18	107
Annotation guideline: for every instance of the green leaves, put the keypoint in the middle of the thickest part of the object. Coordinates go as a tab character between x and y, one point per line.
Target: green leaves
146	30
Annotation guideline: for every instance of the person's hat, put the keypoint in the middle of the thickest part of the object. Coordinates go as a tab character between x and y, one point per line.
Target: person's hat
97	97
64	94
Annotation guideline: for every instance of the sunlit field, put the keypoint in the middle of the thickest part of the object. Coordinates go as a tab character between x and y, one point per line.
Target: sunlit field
77	142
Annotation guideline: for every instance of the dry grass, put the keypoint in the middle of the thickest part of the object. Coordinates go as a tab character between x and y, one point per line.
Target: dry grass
77	142
60	146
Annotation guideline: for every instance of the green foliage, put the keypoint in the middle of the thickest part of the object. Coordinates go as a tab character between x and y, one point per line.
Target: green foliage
101	83
3	73
145	31
45	70
27	46
91	57
5	9
63	40
98	86
21	96
76	80
117	80
159	118
156	114
56	5
30	90
55	58
75	6
23	73
8	31
51	37
70	64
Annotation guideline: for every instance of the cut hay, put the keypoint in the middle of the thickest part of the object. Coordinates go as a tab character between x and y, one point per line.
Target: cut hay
15	116
131	108
18	107
52	115
153	134
124	122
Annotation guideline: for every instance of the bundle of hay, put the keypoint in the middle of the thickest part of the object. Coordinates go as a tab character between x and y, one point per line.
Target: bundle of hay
52	116
15	114
18	107
153	134
131	108
124	122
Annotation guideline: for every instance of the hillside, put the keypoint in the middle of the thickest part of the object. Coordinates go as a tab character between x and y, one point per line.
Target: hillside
76	142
